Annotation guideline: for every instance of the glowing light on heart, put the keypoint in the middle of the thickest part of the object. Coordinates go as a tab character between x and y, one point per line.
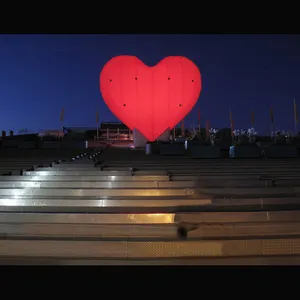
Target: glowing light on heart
150	99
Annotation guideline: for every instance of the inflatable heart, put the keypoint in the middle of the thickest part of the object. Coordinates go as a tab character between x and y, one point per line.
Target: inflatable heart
150	99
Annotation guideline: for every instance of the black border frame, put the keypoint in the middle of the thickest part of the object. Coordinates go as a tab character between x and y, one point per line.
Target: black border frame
151	17
184	18
141	281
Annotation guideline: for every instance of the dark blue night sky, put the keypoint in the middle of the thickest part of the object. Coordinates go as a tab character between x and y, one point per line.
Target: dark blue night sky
40	74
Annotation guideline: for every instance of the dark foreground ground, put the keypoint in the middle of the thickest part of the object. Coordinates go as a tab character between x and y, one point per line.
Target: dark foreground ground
116	205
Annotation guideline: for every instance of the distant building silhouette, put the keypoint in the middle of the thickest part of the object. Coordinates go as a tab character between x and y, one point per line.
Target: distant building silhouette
113	125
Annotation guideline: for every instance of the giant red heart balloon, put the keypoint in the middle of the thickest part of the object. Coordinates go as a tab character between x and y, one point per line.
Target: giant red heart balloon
150	99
